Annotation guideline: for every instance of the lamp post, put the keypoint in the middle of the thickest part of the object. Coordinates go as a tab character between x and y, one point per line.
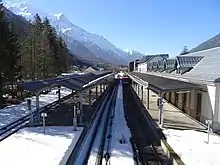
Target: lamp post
160	103
74	118
208	122
44	115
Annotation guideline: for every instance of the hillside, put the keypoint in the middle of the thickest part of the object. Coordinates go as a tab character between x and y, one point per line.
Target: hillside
211	43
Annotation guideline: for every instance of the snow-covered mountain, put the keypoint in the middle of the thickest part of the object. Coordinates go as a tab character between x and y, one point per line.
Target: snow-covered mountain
134	53
98	46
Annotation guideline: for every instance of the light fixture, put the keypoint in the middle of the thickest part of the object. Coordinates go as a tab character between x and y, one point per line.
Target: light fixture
183	92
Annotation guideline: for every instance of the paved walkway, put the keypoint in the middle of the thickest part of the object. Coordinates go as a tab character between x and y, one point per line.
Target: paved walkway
173	117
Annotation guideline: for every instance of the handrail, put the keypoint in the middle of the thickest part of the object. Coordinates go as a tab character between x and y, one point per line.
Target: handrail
24	119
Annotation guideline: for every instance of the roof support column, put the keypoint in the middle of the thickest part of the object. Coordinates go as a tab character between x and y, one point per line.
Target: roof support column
160	104
148	98
74	118
96	92
59	96
135	84
100	88
103	87
81	108
90	98
142	93
135	87
37	107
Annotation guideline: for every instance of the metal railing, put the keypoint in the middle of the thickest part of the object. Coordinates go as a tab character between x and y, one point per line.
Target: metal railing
15	126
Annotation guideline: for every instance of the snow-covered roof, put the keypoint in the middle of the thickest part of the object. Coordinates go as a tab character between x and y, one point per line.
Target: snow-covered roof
209	67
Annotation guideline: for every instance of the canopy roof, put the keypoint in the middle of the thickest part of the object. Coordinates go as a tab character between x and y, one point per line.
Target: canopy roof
162	84
75	82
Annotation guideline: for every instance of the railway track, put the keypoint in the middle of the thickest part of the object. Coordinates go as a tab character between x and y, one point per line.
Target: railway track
146	146
15	126
95	147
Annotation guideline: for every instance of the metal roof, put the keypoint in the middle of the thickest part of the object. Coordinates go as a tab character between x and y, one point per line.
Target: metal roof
161	84
208	68
170	63
75	82
147	58
160	64
188	61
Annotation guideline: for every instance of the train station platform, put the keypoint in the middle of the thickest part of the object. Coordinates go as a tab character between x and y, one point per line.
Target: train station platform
174	118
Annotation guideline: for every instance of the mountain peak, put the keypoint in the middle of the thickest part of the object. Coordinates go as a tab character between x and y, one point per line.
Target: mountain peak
25	9
97	44
134	54
21	5
59	16
131	51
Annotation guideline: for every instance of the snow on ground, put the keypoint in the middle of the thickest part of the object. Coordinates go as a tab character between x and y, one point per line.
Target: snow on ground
14	112
192	146
32	146
121	154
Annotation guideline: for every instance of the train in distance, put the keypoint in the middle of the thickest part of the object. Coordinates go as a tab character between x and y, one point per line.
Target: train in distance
122	76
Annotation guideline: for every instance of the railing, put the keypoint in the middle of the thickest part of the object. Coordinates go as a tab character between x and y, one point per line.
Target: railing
24	121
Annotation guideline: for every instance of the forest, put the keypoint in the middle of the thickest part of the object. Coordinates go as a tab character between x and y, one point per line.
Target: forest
38	53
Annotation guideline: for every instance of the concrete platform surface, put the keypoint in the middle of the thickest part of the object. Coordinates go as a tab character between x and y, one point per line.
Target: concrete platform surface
173	117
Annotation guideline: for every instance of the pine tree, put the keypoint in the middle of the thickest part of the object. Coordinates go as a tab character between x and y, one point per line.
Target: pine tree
62	56
185	51
3	53
14	66
44	54
9	66
47	49
37	53
26	49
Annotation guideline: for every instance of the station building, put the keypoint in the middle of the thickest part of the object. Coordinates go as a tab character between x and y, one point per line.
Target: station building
199	71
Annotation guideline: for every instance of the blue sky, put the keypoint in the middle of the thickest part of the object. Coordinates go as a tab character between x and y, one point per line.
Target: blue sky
149	26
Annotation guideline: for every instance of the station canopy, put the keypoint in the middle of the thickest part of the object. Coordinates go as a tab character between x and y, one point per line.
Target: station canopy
162	84
76	82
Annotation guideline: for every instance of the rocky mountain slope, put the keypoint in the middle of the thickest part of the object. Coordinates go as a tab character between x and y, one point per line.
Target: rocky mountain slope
85	45
211	43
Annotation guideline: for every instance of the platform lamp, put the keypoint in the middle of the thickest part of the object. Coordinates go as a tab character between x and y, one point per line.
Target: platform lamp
209	123
44	115
75	109
160	104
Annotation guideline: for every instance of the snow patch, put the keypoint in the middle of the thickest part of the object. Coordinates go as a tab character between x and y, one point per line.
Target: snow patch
32	146
59	16
63	30
11	113
192	146
24	14
121	153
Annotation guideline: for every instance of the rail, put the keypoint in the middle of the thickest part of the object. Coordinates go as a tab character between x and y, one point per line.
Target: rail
93	136
102	98
104	146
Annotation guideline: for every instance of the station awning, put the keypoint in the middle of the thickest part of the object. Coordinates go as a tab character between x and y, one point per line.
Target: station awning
75	82
162	84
